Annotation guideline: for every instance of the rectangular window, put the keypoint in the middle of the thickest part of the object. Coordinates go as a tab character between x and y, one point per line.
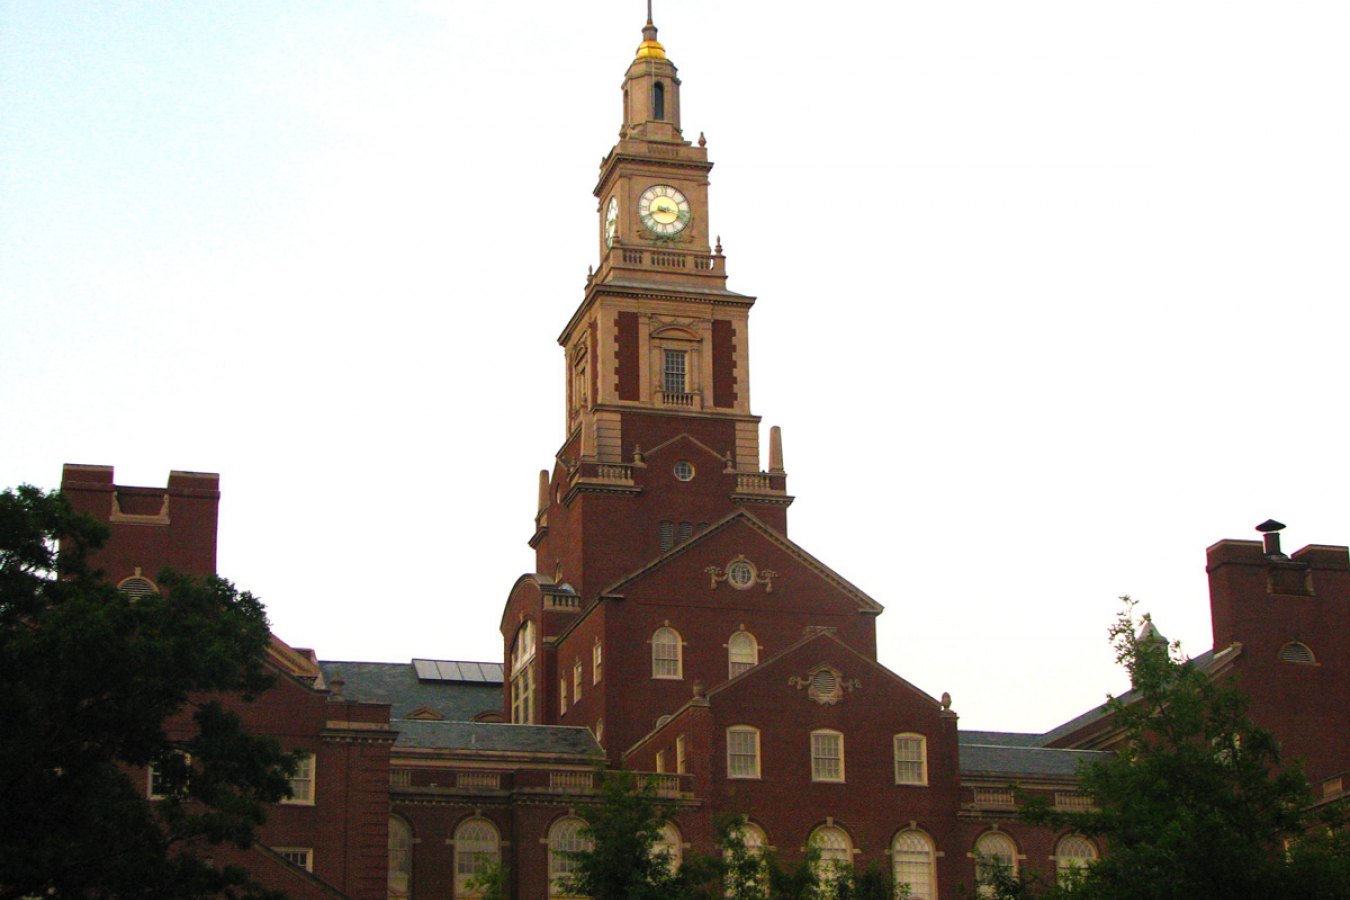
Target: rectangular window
562	695
576	682
157	786
911	766
522	696
674	374
660	761
302	782
742	753
827	756
595	662
297	856
679	754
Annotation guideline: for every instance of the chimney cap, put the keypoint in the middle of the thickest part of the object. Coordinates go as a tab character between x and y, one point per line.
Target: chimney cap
1270	525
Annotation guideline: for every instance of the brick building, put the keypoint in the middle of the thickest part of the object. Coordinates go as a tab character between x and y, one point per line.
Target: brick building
671	625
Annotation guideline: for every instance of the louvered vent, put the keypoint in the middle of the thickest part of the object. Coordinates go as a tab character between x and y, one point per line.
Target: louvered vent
824	683
138	587
1297	653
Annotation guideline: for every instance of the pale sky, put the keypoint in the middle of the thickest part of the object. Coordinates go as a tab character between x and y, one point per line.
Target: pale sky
1052	295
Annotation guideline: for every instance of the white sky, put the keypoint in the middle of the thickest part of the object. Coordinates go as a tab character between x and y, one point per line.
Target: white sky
1053	295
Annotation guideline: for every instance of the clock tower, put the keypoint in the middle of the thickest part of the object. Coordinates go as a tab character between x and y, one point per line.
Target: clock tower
660	442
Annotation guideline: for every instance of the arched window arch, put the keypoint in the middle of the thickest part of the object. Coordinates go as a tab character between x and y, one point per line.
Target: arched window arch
400	859
1073	854
522	674
994	852
742	653
836	851
914	859
667	661
1297	652
477	849
564	839
658	100
669	845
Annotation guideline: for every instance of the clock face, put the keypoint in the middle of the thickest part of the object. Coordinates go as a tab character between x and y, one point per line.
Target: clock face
611	221
664	210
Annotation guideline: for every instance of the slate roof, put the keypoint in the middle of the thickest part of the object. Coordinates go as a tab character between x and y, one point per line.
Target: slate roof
499	737
980	759
398	685
999	738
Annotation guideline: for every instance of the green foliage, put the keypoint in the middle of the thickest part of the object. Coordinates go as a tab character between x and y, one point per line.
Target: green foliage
1197	804
91	680
493	883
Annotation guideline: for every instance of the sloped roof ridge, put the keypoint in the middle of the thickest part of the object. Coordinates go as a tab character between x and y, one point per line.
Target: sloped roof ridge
773	536
816	634
691	439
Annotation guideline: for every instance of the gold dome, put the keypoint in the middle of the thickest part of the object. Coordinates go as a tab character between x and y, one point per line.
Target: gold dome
651	50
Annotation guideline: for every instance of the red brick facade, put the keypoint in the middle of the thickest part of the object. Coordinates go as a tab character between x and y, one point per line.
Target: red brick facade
672	627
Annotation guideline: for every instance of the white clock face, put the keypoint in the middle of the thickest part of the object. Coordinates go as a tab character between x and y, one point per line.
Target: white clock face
663	210
611	221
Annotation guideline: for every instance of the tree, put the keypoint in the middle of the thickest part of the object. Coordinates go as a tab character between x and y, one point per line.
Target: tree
622	863
94	684
1198	803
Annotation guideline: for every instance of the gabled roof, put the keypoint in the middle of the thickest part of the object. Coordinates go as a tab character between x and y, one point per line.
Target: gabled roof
398	685
823	634
1209	661
864	602
499	737
659	448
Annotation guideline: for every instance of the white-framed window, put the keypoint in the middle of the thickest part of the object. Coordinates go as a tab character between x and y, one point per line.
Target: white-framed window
600	730
680	749
836	851
660	761
302	782
1073	854
666	654
754	839
564	839
297	856
157	785
673	372
669	846
994	852
597	656
742	653
742	752
576	681
562	695
684	471
911	759
914	859
477	849
827	755
522	674
400	859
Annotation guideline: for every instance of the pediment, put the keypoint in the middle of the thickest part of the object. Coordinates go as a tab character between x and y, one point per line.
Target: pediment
740	559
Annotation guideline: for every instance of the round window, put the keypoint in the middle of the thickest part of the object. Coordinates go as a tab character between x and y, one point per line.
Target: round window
684	470
741	574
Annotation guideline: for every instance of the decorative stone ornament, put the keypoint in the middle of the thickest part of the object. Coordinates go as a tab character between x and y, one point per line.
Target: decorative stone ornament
825	684
741	574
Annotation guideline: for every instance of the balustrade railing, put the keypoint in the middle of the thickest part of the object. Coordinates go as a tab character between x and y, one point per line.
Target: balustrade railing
482	781
683	401
1073	803
571	782
994	797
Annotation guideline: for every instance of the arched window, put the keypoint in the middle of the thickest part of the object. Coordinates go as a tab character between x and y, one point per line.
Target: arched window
836	851
666	657
658	101
477	849
400	859
1073	854
754	839
745	870
742	653
913	857
1297	653
564	839
522	674
994	852
668	846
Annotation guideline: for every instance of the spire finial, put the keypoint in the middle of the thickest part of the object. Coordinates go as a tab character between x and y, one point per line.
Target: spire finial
651	48
649	12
